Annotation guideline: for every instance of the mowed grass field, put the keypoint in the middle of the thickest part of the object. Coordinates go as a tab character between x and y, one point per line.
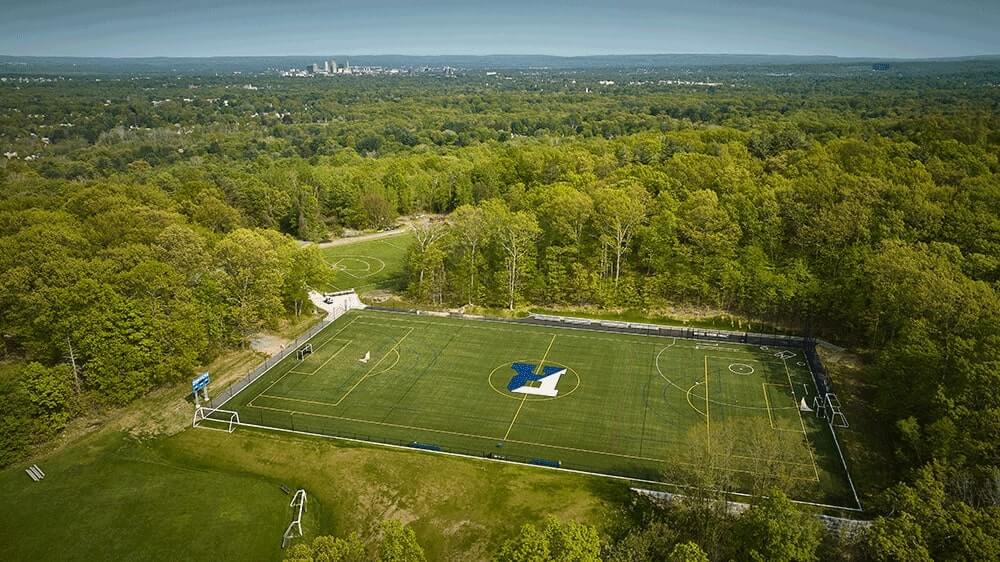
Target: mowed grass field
208	495
626	405
369	265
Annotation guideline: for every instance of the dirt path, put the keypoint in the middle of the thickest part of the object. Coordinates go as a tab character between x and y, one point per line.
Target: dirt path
364	237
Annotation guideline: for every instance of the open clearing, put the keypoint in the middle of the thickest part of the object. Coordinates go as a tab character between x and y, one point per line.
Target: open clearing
369	265
609	403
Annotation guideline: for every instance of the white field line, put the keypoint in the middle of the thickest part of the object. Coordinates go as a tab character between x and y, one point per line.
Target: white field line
570	470
836	442
547	326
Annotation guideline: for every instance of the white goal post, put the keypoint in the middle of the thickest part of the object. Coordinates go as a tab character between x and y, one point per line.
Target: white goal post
828	408
295	527
228	417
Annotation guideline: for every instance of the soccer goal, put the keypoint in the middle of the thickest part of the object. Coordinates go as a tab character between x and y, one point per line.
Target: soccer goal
294	529
304	351
227	420
828	408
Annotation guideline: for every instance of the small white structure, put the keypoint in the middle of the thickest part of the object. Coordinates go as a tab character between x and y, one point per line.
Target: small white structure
803	406
367	357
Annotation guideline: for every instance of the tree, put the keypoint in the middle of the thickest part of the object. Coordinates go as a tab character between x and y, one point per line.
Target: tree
563	212
393	542
426	260
252	279
377	210
773	530
468	230
687	552
399	543
559	541
896	539
50	390
621	213
515	234
306	270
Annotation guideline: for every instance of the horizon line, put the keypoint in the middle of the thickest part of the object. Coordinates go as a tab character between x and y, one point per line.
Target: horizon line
442	55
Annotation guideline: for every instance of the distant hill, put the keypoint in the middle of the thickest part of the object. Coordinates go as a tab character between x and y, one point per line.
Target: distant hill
228	65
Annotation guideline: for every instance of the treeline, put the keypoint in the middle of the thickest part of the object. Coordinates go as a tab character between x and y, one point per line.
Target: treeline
108	290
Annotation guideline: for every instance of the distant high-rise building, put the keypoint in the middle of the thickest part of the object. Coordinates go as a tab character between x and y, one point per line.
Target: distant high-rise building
333	66
313	68
347	67
326	67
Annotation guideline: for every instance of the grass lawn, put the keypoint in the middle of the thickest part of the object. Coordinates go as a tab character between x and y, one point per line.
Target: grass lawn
207	495
369	265
622	404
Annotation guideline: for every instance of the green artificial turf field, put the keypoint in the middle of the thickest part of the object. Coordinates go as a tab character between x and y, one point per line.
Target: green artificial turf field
627	405
370	264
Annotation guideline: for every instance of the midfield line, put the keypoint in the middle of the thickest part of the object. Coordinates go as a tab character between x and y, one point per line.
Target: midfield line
538	371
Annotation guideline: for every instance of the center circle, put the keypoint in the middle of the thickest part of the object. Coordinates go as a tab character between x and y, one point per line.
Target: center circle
741	368
500	373
358	266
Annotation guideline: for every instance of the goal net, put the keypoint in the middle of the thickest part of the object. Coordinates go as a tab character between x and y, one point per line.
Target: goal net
214	418
304	351
828	408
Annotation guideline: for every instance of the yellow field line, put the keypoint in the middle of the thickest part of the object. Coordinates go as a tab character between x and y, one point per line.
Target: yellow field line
511	426
770	419
805	436
387	424
362	379
303	400
476	436
342	348
708	420
539	370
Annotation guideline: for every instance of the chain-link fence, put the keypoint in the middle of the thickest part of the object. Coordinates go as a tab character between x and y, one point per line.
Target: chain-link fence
271	361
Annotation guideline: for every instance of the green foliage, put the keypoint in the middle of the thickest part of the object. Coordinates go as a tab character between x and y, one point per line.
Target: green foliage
774	530
559	541
394	542
687	552
399	543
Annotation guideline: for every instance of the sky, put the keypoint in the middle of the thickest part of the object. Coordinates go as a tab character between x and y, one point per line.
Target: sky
138	28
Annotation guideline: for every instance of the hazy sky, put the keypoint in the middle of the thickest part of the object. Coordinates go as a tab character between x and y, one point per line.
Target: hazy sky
888	28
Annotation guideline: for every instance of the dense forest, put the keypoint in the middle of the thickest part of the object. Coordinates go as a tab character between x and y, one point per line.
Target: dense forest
150	222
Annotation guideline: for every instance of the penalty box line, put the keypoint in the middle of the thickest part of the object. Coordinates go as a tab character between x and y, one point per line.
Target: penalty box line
323	364
370	371
802	424
285	374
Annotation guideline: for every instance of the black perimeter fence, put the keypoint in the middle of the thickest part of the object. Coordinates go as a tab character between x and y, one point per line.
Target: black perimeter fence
301	423
806	344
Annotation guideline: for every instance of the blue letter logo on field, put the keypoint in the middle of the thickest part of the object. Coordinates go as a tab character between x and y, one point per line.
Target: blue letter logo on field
526	381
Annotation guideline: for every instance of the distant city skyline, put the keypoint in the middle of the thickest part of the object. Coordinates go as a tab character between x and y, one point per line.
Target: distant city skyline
191	28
